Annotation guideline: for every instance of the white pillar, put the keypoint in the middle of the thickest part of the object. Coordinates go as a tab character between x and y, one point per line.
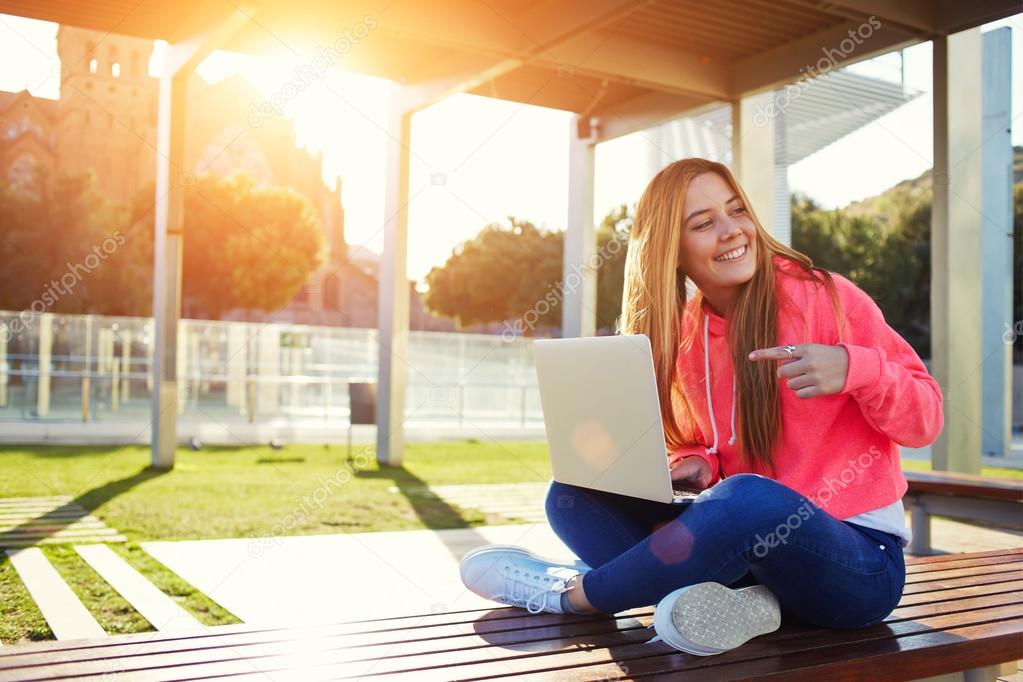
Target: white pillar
126	337
956	325
268	367
188	345
579	279
44	355
753	153
167	252
3	368
996	157
237	361
393	298
782	219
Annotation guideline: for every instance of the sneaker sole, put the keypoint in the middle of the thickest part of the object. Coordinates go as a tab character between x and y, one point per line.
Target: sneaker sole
709	618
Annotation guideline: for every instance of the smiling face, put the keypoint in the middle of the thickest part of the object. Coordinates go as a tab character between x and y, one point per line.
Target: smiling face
719	240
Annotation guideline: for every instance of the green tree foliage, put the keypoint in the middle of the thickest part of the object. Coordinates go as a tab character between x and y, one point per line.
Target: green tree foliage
66	248
244	247
503	273
612	245
883	244
513	273
887	255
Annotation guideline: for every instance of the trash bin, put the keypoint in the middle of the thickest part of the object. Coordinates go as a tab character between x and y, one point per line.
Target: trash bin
362	402
362	406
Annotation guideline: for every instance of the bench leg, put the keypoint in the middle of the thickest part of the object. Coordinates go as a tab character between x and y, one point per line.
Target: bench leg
920	524
986	674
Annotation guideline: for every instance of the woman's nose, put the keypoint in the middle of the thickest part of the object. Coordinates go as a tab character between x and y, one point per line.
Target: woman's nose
729	229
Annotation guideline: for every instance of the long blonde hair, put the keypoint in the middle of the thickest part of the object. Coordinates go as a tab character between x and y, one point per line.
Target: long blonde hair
654	302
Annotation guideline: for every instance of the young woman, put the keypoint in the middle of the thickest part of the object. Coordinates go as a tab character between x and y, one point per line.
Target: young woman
780	377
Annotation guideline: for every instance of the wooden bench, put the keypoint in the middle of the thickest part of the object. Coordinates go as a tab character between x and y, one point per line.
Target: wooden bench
966	497
959	612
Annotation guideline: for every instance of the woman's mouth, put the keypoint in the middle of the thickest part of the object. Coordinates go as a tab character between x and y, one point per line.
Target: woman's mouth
733	255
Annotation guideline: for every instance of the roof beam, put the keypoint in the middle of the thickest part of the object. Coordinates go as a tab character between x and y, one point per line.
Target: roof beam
534	33
815	55
207	28
641	112
956	15
635	62
917	16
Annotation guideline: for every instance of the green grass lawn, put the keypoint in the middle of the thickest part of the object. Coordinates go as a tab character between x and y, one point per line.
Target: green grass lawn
222	492
248	492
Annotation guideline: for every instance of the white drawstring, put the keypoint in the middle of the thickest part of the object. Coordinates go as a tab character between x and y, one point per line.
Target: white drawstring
706	380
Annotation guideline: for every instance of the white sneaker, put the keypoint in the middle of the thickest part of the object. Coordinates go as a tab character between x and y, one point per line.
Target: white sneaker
709	618
517	577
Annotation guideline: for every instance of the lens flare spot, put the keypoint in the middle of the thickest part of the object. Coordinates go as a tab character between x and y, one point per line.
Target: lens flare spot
592	440
672	542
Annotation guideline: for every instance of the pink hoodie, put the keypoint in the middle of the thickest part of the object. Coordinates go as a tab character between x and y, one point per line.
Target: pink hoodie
839	450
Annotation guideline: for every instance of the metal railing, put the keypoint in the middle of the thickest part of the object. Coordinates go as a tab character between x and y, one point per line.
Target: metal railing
98	369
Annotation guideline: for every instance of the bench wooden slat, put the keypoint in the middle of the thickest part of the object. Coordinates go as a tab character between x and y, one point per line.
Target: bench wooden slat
906	658
914	569
495	621
759	656
967	485
961	593
958	572
626	645
538	641
961	556
949	595
464	616
935	585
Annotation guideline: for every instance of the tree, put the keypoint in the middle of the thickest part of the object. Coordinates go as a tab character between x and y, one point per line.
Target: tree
612	246
245	246
513	273
883	247
506	272
67	248
64	249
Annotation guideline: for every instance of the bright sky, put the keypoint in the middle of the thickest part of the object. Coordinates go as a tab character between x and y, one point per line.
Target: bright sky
477	160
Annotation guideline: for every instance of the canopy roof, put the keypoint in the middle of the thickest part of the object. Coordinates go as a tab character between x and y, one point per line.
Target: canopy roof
592	57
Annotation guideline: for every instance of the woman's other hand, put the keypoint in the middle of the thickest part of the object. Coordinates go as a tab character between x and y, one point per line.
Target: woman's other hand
813	370
693	471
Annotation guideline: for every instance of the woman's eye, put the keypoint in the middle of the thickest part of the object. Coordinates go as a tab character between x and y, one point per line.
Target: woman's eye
702	226
740	209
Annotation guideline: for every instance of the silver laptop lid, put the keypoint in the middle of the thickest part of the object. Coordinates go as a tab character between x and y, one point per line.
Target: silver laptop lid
601	413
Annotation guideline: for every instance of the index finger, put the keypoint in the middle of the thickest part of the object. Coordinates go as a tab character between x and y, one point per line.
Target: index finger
774	353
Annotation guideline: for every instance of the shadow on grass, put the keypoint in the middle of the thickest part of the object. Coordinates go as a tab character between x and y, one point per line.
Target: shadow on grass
67	452
46	525
433	511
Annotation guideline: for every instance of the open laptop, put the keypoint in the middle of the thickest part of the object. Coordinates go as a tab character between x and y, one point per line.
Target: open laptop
603	420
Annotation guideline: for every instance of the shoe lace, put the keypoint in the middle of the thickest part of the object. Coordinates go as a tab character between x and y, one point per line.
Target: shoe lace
530	590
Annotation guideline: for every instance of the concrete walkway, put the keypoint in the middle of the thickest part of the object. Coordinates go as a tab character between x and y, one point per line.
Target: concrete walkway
332	578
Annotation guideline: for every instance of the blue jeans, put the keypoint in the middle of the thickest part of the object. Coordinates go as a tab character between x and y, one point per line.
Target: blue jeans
747	529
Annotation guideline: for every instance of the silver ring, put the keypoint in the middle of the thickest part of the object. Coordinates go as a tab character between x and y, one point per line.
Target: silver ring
790	349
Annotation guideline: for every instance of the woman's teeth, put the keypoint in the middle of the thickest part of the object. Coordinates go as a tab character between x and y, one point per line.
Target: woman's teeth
732	255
